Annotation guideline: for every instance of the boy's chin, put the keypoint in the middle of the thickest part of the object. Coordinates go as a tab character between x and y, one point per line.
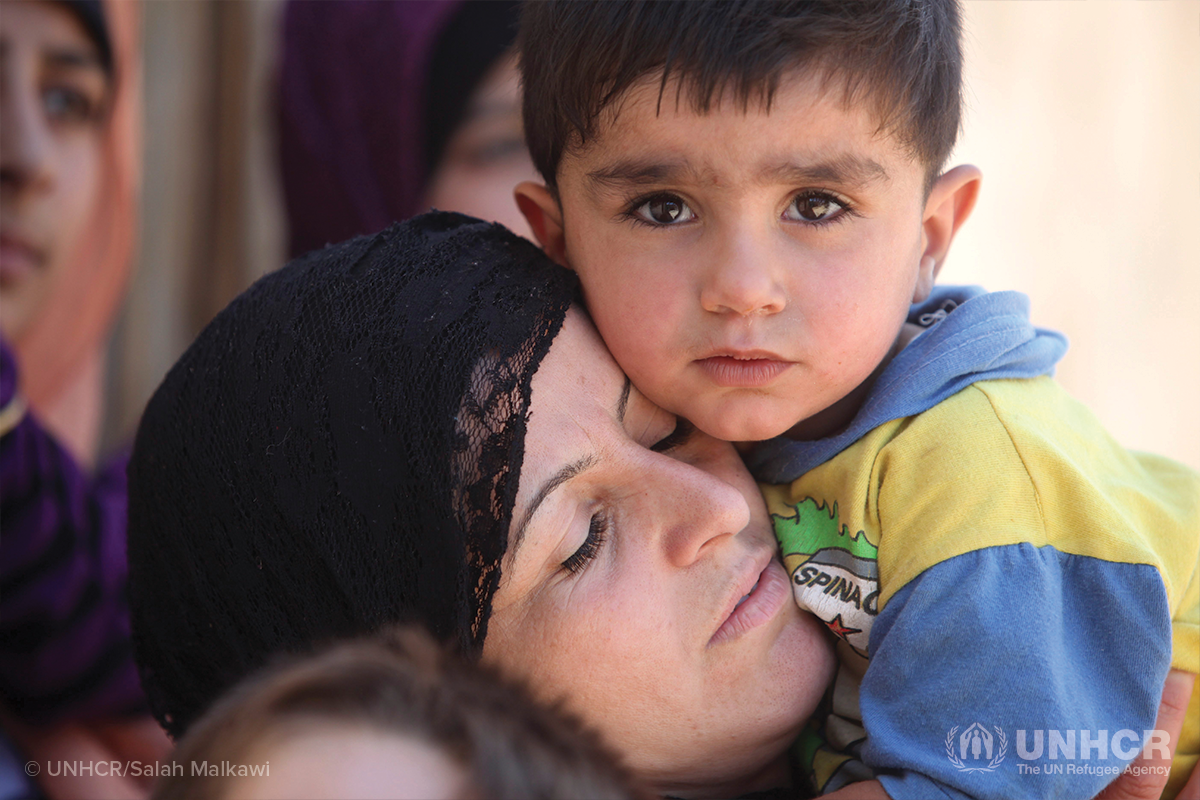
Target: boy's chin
744	431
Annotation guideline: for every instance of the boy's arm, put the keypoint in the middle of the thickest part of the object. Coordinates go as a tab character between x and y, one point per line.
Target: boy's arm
1144	782
1038	567
991	673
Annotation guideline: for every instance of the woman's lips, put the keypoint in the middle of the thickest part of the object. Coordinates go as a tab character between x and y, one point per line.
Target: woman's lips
731	371
18	260
759	606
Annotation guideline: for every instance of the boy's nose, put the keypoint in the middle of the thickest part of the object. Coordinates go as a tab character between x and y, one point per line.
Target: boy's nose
743	283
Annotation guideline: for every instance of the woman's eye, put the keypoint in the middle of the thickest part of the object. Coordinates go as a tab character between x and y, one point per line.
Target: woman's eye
597	534
495	150
683	431
63	104
664	209
815	207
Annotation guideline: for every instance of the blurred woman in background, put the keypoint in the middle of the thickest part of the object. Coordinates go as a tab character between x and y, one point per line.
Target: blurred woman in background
68	193
389	109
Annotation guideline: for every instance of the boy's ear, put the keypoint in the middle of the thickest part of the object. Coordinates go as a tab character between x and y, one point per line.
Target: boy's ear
544	216
950	203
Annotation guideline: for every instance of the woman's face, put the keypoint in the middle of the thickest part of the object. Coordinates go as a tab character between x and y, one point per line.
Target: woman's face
486	156
53	97
629	553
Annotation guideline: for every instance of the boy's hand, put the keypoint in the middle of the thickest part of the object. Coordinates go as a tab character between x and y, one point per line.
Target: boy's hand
1147	786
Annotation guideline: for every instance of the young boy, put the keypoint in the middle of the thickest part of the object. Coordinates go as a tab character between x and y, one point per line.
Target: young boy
754	199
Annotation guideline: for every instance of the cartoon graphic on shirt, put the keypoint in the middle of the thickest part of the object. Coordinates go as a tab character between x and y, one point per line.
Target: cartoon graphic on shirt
834	573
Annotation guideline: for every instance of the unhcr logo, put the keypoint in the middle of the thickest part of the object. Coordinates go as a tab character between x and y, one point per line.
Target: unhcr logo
976	749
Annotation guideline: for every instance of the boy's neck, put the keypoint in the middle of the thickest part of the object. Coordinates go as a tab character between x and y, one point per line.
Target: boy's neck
835	418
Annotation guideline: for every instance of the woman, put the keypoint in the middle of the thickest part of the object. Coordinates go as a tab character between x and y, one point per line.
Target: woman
419	426
347	445
68	178
388	109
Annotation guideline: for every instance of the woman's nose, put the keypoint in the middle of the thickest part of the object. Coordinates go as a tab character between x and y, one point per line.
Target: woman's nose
698	510
25	138
744	276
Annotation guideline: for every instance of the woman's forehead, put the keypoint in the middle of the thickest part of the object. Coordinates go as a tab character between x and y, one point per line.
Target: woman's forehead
579	409
51	29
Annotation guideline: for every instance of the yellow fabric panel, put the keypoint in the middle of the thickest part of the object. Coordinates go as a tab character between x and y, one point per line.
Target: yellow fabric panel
1099	499
1010	461
1003	462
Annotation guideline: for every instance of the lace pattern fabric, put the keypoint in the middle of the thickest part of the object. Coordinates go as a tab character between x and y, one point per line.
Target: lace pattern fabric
339	450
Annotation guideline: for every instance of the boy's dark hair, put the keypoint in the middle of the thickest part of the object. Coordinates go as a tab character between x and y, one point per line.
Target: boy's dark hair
402	682
902	56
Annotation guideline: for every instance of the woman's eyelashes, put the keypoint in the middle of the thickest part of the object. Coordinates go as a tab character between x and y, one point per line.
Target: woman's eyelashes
683	430
597	535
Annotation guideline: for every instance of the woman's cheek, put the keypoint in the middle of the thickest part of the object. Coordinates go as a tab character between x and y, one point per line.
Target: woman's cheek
75	195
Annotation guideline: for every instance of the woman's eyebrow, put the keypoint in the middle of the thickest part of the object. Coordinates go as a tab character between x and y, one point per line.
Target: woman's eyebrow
558	479
623	401
566	473
73	58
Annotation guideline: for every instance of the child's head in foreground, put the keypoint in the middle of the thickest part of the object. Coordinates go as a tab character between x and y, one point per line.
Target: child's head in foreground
394	716
751	193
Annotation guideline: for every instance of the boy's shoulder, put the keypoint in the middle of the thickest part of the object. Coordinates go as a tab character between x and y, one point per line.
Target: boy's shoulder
1005	462
968	335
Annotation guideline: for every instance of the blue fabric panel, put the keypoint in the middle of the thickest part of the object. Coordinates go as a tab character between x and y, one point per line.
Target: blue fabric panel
986	336
1014	638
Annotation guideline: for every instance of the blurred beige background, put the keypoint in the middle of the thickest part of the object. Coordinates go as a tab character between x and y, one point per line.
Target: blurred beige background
1084	117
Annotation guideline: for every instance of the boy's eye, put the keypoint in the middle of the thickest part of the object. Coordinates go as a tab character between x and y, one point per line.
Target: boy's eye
664	209
815	207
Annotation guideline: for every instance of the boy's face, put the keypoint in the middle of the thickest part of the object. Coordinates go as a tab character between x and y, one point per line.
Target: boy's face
748	270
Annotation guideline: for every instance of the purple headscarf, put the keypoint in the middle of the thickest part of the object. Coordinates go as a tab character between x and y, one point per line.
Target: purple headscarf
351	102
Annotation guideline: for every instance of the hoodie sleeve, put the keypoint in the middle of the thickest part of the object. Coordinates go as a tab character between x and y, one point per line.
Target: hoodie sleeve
1015	671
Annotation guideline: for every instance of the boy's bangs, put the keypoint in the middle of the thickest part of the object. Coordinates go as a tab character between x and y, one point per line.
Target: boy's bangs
578	59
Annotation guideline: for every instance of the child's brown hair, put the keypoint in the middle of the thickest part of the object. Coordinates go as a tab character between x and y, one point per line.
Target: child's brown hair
902	56
401	682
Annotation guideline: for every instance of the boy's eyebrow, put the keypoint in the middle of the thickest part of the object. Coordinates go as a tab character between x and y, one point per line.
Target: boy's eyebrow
627	172
845	170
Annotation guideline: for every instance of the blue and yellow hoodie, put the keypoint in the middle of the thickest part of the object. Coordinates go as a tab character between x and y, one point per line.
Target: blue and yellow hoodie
1008	585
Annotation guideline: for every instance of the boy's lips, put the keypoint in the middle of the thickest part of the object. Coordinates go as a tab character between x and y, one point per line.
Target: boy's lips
743	370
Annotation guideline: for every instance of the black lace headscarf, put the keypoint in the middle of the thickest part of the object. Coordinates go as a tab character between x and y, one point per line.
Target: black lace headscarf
338	450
